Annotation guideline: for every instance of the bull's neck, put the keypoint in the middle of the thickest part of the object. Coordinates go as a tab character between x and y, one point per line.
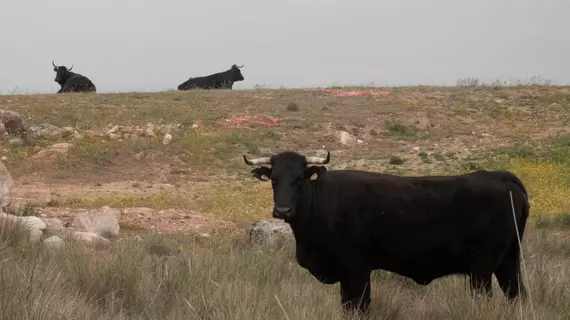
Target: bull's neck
302	224
66	78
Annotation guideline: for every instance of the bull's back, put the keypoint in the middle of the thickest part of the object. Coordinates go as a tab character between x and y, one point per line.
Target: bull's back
409	210
80	83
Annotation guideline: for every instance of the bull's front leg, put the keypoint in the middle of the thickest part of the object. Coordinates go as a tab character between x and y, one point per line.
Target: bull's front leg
355	293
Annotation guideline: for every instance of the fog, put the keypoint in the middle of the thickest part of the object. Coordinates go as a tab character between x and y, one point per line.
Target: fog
146	45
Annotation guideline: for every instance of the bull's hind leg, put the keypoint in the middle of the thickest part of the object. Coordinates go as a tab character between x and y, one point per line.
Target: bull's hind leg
480	273
508	273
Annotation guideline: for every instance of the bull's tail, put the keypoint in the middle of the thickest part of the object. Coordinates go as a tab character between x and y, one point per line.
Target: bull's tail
513	181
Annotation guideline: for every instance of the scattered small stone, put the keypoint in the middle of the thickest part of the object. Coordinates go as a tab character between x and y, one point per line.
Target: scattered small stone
113	129
33	222
54	242
113	136
4	158
359	141
51	151
15	142
77	136
416	148
139	155
346	138
149	132
165	128
101	221
90	238
138	238
180	171
194	126
53	224
167	139
67	129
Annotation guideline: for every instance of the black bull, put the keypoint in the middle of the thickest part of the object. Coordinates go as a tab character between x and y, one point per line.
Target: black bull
71	81
347	223
220	80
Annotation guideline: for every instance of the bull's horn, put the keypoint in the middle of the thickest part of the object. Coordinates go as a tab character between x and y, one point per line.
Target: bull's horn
70	68
319	160
257	161
53	64
240	66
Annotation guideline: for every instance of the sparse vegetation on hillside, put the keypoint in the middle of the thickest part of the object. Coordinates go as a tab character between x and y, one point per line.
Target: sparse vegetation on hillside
114	153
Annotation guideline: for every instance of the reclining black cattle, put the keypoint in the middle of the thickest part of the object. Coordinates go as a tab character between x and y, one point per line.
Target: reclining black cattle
220	80
347	223
71	81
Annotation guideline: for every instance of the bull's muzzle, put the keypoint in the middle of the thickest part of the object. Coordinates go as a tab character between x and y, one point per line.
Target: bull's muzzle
282	212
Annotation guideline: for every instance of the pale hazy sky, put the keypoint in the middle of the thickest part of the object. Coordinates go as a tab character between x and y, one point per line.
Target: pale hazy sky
141	45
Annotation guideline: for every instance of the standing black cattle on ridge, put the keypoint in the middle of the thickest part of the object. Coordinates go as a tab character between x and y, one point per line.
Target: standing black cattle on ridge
347	223
220	80
71	81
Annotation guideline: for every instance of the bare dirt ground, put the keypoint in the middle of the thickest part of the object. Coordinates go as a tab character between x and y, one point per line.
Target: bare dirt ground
198	181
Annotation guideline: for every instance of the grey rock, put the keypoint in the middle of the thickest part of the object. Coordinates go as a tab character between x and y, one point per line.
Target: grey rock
90	238
12	121
35	234
103	221
33	222
54	242
167	139
43	130
6	183
346	138
16	142
269	234
53	224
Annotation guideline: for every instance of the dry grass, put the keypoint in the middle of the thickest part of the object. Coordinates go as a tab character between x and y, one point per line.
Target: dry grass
188	278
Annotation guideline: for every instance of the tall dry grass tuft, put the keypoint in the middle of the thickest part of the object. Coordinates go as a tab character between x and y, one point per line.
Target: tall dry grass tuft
167	277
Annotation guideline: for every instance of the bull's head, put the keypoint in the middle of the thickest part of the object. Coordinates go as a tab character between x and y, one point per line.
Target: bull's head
235	73
62	73
289	175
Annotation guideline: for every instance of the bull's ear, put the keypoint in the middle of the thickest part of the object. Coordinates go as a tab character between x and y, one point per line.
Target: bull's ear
310	171
259	172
